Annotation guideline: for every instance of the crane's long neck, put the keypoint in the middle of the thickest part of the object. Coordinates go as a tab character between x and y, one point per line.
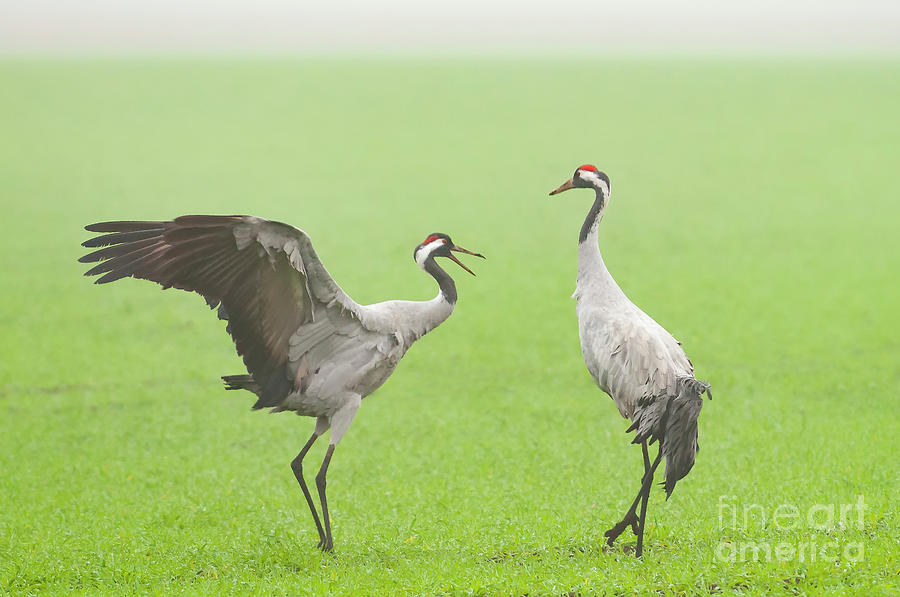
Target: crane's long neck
592	221
445	282
592	271
420	317
413	319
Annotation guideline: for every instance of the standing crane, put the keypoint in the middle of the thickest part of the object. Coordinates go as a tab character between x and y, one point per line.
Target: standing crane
308	347
634	360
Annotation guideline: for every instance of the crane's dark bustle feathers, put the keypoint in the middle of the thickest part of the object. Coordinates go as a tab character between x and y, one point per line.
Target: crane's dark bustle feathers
672	420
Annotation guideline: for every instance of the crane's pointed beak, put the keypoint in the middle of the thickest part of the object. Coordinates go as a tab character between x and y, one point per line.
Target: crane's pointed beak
459	249
569	184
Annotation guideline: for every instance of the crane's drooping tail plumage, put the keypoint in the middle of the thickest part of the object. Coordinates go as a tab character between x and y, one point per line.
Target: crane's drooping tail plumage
672	420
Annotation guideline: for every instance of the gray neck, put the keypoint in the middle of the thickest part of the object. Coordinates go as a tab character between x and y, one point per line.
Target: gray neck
592	221
446	283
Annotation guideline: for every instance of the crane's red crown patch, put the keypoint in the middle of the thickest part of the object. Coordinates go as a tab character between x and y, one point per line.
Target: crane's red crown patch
588	167
431	239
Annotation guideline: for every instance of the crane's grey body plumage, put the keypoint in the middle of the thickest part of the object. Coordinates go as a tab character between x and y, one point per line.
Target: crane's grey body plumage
342	355
633	359
308	347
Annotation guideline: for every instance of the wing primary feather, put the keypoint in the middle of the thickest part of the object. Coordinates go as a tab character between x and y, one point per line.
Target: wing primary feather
118	274
202	221
124	226
121	260
116	250
117	238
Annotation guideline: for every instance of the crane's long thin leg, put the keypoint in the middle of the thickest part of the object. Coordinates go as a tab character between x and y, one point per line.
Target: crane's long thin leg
297	467
613	533
643	518
339	422
326	544
630	518
634	525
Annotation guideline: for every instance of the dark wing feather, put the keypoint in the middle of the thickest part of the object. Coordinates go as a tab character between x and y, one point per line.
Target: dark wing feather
264	277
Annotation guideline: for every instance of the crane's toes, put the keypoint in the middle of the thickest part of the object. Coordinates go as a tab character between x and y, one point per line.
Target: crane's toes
613	533
326	545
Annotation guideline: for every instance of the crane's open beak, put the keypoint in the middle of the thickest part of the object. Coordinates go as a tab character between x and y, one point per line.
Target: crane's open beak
459	249
569	184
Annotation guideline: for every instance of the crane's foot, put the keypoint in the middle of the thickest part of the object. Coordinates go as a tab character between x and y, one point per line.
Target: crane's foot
326	544
630	520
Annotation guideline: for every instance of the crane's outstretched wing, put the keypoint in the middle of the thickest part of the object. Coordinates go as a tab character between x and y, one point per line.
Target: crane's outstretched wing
264	276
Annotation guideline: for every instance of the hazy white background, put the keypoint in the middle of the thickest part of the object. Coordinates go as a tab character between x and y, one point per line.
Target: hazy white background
596	26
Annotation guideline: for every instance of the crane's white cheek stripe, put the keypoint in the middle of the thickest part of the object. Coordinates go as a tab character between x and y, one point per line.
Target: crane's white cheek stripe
603	186
423	253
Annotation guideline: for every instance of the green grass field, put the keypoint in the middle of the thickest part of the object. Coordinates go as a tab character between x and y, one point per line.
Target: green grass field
754	213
